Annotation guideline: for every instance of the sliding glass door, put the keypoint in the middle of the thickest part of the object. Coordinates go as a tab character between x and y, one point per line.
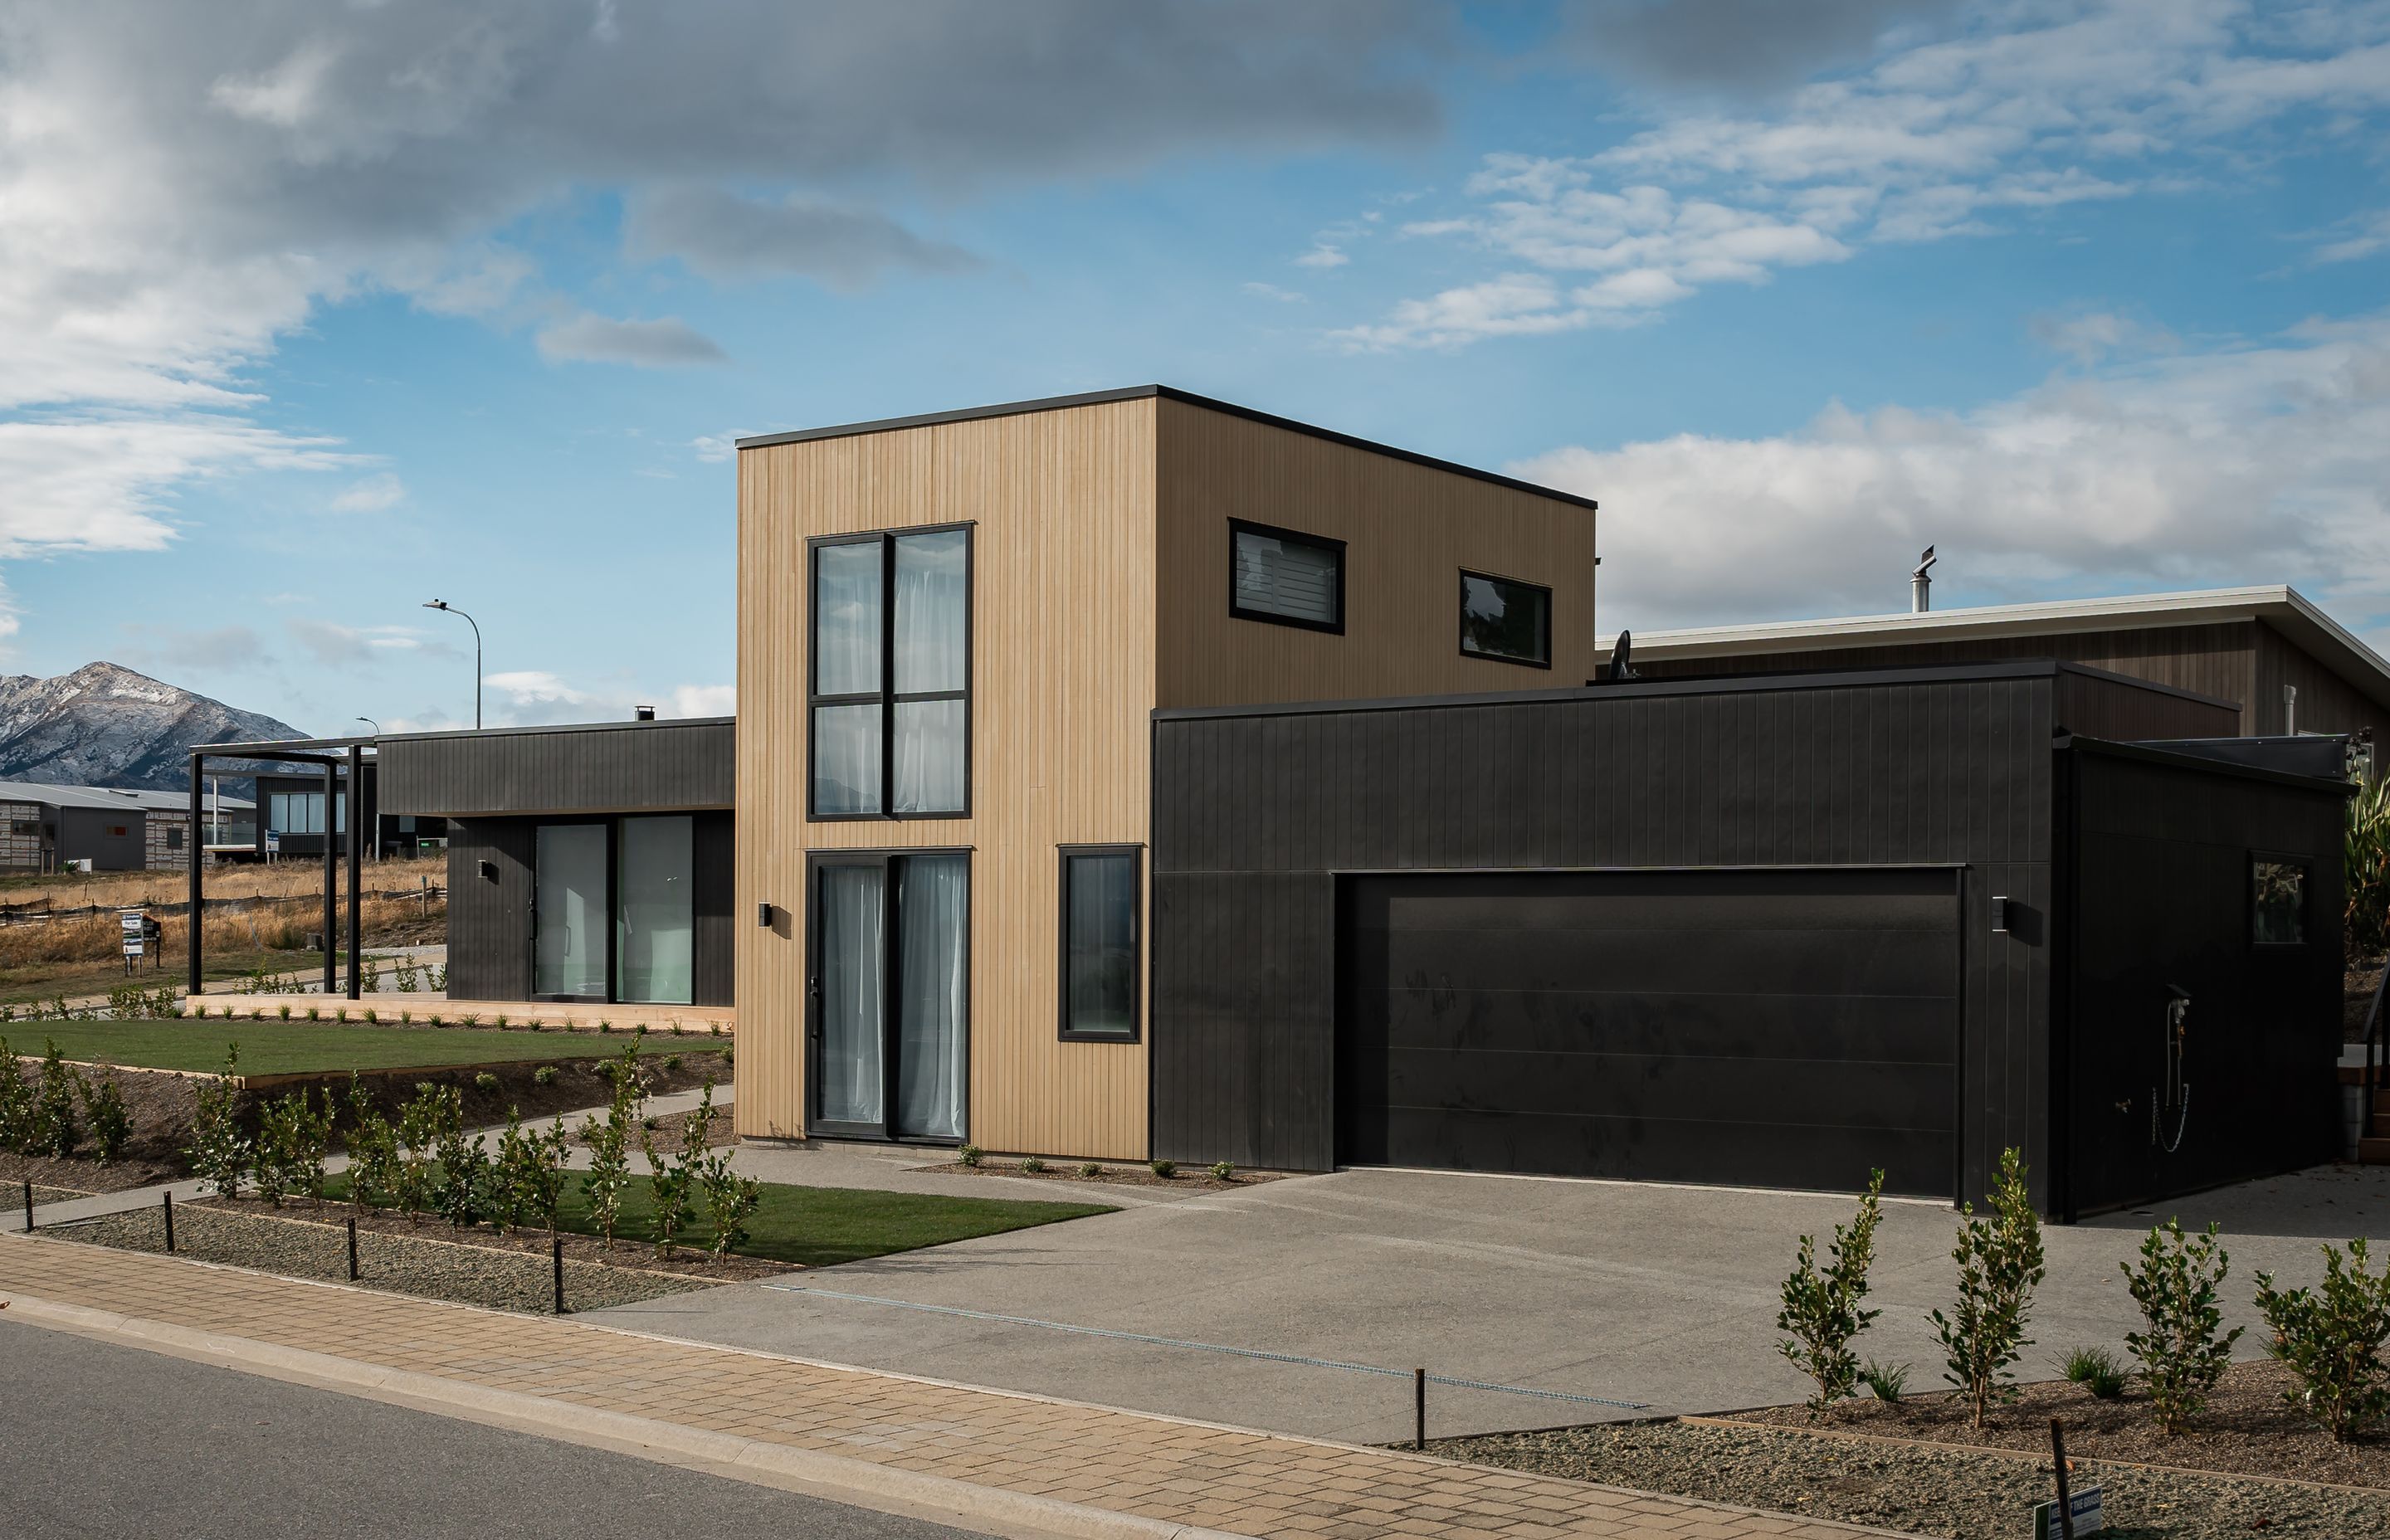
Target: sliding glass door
569	913
655	911
891	994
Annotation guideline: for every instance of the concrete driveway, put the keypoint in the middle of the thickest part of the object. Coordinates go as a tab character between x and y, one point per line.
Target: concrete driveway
1659	1296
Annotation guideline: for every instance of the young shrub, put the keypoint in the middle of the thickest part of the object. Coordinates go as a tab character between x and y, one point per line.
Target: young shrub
16	1100
544	1173
1164	1169
56	1132
2097	1370
373	1017
673	1185
502	1023
1999	1262
605	1028
672	1064
284	1011
1886	1382
1090	1170
1224	1171
421	1124
543	1076
111	1122
373	1152
609	1175
2330	1339
971	1155
1032	1165
486	1082
1821	1311
292	1139
466	1176
220	1152
2181	1357
727	1065
315	1013
510	1175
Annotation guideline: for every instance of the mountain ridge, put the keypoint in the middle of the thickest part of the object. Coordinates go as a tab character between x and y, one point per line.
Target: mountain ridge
106	725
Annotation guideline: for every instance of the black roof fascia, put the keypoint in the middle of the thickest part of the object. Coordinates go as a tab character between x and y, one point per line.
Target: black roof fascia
290	749
2028	668
562	727
2157	753
1164	393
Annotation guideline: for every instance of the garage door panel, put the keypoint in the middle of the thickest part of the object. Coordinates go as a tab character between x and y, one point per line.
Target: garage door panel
1791	1091
1775	1028
1647	1149
1650	959
1910	1029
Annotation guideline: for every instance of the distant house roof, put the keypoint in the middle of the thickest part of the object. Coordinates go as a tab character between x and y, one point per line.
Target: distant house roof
2277	605
113	797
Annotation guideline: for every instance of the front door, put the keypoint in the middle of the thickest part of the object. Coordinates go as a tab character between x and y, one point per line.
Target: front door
570	953
891	994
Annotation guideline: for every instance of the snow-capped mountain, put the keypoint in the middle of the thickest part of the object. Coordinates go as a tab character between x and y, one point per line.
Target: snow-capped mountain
106	725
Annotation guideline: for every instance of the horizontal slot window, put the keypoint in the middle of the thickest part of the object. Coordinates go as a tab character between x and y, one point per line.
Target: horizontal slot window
1506	620
1286	577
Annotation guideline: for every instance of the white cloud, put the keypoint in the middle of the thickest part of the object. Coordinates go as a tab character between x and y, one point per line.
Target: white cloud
650	344
1323	255
2027	109
537	697
2370	236
1516	304
1260	290
704	700
724	236
101	481
715	448
374	494
2246	464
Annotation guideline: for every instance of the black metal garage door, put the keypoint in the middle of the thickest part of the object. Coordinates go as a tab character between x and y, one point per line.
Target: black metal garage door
1777	1029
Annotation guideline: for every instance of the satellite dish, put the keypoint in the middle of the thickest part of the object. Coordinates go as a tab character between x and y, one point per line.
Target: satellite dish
1618	657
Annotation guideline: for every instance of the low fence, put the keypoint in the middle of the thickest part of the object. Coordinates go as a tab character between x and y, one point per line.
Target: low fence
42	912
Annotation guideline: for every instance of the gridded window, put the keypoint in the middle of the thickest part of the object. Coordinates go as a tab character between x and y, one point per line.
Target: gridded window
2278	908
1506	620
25	826
1285	577
1099	941
174	838
891	691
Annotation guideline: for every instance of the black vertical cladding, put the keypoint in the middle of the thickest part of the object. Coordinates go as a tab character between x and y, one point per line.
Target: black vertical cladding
489	917
713	874
1257	813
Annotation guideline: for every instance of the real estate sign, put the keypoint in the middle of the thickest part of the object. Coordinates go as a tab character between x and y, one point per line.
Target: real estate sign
2082	1508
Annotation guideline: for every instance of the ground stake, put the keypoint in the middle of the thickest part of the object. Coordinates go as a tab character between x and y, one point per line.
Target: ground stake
353	1248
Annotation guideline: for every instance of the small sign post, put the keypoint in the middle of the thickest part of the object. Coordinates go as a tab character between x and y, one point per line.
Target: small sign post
2086	1514
141	934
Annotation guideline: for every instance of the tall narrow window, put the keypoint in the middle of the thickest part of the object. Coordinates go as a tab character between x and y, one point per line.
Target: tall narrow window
1285	577
890	697
1099	941
1506	620
2277	902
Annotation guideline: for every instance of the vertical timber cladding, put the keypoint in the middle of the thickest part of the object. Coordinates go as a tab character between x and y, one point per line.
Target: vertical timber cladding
1258	811
1061	502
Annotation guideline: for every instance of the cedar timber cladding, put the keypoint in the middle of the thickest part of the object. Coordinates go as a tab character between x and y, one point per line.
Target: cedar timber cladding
1062	508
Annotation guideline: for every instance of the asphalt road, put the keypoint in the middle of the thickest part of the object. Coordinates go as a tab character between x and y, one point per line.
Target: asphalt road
99	1441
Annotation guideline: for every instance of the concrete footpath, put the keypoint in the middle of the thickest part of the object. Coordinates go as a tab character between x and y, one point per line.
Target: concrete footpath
996	1461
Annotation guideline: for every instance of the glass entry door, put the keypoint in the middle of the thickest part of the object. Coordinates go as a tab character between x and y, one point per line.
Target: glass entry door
570	912
655	925
891	994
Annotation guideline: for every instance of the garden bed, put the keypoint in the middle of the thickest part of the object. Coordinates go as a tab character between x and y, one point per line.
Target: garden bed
2247	1429
299	1046
1918	1488
424	1264
1127	1176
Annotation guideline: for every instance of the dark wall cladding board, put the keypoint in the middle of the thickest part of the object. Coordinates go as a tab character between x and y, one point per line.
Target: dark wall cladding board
2327	703
2165	903
489	918
634	768
2117	711
713	863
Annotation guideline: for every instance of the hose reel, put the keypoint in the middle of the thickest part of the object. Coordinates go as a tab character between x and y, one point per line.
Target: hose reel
2171	1099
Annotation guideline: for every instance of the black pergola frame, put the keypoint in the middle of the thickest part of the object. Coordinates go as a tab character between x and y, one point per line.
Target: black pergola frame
334	755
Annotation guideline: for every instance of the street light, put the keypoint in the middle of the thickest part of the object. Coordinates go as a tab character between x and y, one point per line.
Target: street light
445	607
371	723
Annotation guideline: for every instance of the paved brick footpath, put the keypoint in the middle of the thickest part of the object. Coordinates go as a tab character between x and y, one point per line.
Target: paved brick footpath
1152	1468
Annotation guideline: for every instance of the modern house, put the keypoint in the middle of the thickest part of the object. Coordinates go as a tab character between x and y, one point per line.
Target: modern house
954	631
2286	665
45	827
295	820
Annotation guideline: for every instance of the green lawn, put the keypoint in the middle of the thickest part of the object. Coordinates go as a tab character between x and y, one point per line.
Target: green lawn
291	1048
820	1226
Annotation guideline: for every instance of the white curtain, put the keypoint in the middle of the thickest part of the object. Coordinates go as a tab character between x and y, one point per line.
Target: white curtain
929	757
846	759
933	611
855	955
846	619
934	923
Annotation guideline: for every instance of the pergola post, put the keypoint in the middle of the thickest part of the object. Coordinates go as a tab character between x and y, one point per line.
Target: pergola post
332	869
356	869
195	850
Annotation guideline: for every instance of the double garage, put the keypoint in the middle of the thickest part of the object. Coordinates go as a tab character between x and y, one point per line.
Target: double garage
1755	932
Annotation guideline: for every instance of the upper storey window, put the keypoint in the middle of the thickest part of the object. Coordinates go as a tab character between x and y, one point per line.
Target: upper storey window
1285	577
1505	619
891	669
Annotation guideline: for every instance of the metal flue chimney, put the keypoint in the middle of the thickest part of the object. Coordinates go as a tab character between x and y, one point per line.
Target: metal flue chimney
1921	583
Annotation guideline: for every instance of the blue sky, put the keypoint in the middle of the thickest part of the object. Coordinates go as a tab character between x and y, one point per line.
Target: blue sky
323	311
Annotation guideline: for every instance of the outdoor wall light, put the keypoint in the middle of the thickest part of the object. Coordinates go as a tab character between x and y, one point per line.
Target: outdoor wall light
763	915
2000	916
489	870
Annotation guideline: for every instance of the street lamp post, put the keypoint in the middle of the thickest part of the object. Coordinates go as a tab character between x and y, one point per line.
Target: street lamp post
445	607
371	723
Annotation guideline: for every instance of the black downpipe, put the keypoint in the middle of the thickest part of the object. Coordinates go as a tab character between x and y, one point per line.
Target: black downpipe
195	851
2065	907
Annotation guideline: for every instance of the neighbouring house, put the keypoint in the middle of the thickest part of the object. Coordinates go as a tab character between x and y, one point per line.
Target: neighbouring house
295	818
51	828
2289	667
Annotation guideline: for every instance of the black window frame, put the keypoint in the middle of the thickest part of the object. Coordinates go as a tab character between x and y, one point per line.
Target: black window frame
886	696
1460	618
2306	866
1063	1031
1297	537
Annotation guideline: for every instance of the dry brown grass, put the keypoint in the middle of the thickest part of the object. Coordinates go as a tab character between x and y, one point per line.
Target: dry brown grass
290	879
276	927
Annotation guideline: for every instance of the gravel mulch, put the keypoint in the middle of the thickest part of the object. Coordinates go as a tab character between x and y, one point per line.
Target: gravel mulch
42	1195
1199	1177
501	1279
1917	1489
667	1132
2247	1429
628	1251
